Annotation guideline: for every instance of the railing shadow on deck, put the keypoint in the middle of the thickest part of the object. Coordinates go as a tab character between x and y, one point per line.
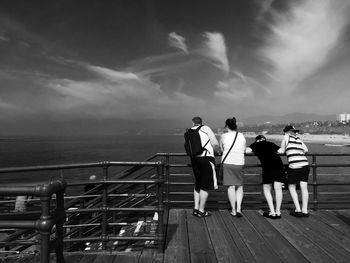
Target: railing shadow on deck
122	211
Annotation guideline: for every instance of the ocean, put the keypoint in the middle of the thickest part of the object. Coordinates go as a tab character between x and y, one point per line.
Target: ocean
31	151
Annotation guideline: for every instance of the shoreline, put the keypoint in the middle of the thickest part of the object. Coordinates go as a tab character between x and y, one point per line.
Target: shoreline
332	139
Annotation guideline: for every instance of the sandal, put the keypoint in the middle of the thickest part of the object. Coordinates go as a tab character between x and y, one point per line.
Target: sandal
269	215
195	212
239	214
203	214
296	214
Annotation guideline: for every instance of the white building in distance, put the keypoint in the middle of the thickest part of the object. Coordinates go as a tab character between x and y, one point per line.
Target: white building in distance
343	117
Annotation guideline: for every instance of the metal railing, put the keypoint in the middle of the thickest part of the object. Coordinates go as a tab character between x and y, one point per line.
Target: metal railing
44	221
105	207
175	170
99	215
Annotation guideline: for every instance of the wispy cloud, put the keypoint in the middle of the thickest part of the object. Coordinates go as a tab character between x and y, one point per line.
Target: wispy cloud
301	40
177	41
239	87
214	48
265	6
117	94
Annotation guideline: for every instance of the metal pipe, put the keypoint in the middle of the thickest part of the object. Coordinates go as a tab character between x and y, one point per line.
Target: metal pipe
314	181
104	205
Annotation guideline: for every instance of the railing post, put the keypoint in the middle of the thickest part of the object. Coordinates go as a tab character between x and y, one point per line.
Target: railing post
160	229
314	177
59	226
104	205
167	180
44	231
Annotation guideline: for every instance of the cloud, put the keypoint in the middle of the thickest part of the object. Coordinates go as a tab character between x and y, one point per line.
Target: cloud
265	6
117	94
4	38
177	41
214	49
240	87
8	106
300	41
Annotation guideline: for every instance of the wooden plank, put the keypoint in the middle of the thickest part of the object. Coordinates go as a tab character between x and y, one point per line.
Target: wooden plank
104	259
237	239
72	258
315	231
223	244
151	256
338	236
201	249
19	259
125	258
297	238
89	258
256	244
344	215
176	247
285	250
330	218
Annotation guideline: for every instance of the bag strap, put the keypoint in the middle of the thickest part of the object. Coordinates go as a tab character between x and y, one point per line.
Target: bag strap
223	160
206	151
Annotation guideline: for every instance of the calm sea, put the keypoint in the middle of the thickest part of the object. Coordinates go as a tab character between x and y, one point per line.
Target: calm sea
30	151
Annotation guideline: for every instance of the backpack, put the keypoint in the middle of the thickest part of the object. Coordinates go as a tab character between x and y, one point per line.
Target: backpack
193	143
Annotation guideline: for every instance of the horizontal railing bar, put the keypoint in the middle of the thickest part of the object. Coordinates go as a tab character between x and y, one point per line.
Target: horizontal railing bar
115	209
251	154
121	181
110	224
72	166
110	238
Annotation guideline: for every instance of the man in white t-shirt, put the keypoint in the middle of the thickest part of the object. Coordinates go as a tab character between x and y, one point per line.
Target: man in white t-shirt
203	166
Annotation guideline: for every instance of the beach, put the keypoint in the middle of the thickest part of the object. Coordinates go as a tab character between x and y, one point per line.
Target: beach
332	139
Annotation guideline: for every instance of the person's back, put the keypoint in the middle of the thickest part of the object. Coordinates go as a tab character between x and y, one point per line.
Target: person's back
208	140
236	155
267	154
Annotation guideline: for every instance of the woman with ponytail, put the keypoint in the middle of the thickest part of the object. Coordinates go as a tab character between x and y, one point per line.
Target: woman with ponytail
233	145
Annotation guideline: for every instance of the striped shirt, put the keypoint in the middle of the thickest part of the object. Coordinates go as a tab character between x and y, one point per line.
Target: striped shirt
295	151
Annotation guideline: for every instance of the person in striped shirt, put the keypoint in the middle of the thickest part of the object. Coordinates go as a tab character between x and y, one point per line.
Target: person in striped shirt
298	169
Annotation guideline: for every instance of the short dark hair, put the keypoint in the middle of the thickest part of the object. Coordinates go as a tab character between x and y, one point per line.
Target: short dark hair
231	123
260	137
197	120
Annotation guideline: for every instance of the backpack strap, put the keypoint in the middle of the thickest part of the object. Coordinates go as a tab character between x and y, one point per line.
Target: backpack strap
223	160
206	151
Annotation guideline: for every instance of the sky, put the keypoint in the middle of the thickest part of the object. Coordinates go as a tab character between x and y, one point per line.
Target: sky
68	66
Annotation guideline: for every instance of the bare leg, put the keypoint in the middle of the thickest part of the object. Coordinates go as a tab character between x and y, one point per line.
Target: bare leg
294	195
203	196
279	196
268	197
231	193
304	196
196	199
239	196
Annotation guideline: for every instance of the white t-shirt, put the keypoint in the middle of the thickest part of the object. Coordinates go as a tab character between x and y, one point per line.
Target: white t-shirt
236	155
206	135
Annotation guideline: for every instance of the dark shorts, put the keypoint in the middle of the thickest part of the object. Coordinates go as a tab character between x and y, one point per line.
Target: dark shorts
204	173
277	175
298	175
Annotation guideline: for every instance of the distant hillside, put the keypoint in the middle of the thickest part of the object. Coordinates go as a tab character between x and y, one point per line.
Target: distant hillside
288	118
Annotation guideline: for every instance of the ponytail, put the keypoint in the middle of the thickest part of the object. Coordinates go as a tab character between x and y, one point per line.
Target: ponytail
231	124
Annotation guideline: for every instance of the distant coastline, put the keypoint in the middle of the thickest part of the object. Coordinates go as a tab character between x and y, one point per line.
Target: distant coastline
338	139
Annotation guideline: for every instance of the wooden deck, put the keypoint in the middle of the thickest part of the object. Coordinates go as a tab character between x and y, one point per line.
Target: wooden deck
323	237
